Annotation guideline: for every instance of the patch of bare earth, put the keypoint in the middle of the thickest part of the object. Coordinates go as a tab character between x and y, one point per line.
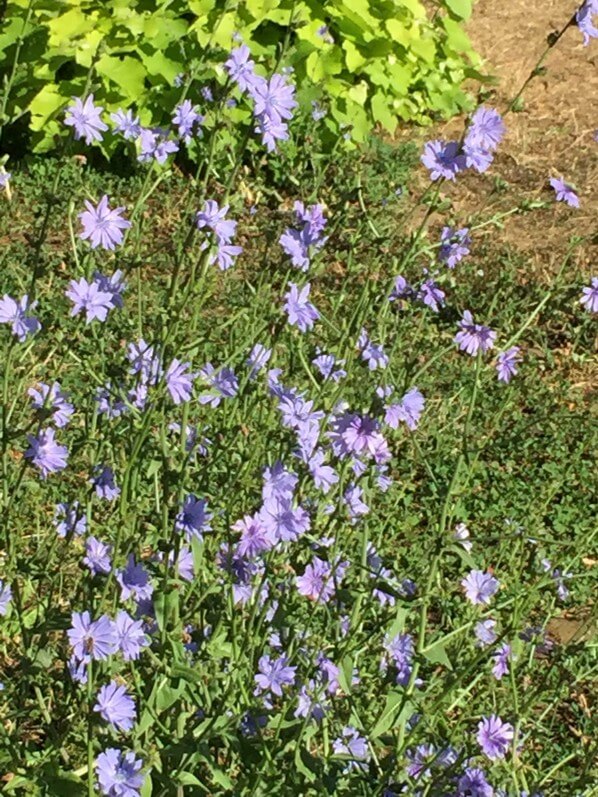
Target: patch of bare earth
551	136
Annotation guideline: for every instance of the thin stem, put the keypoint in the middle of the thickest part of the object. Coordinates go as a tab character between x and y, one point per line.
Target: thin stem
90	780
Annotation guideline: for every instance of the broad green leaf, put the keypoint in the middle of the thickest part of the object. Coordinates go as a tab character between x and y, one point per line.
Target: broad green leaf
135	23
167	696
44	105
456	36
201	7
377	74
460	8
321	63
415	7
19	782
145	721
400	32
159	30
222	35
359	93
72	24
158	64
400	78
259	9
10	33
425	48
220	777
353	58
309	32
306	763
219	647
464	555
382	113
88	47
128	73
398	623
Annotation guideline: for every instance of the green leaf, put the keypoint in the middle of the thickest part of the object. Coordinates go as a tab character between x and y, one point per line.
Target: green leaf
127	72
161	29
321	63
359	93
353	58
345	674
11	31
437	655
220	777
220	35
382	113
147	788
425	49
219	647
159	65
306	763
456	36
72	24
259	9
186	779
186	673
88	47
401	76
460	8
398	623
18	782
464	555
167	696
392	713
401	33
44	106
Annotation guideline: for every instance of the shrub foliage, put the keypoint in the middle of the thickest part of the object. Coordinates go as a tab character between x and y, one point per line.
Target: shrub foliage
373	62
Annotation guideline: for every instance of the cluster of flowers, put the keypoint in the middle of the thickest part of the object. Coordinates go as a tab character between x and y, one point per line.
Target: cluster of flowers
273	106
85	117
118	772
273	98
446	159
300	244
213	219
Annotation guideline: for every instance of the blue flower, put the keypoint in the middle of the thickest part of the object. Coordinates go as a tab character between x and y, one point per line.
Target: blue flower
134	581
45	453
115	706
119	773
443	159
85	118
89	297
5	597
564	192
300	311
16	314
274	675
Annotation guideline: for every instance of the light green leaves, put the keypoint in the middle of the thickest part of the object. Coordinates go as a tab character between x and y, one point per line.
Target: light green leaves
128	73
374	62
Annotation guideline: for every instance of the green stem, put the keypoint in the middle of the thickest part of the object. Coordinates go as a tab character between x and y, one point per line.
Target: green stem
13	71
90	779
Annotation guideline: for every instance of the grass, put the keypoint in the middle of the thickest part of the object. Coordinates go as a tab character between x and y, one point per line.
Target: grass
513	462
